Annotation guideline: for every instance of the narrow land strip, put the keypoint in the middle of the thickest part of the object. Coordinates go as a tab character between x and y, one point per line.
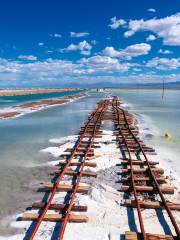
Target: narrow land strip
20	110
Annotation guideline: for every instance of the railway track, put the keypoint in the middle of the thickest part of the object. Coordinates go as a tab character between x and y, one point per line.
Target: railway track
144	181
83	149
141	179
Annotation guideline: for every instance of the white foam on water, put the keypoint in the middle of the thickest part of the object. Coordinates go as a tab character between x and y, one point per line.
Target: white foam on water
65	142
72	138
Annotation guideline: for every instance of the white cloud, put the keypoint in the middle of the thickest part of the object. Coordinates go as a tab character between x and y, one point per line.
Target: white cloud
111	52
36	70
164	63
49	51
128	33
167	28
56	35
151	37
54	69
71	47
40	44
136	50
164	51
96	69
116	23
104	63
151	10
129	52
8	67
84	47
137	69
79	34
27	57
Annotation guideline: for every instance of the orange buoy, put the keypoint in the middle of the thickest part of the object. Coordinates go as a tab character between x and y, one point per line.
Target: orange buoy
167	135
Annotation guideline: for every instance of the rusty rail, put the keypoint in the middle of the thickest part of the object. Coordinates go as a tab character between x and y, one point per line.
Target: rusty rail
117	110
129	141
80	175
97	114
115	106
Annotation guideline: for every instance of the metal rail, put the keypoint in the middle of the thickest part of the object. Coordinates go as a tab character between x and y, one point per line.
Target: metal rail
115	106
101	106
80	175
177	230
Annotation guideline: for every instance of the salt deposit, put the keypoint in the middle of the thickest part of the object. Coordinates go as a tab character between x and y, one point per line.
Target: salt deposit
107	218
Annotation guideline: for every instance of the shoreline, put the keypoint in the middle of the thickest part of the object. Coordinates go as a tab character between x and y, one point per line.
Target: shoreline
20	110
20	92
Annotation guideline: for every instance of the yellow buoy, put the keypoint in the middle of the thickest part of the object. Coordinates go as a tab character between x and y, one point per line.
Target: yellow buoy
167	135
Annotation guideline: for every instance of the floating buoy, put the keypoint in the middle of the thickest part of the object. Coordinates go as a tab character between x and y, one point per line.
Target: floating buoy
167	135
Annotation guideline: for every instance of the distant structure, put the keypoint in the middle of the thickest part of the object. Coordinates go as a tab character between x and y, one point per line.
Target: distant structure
100	89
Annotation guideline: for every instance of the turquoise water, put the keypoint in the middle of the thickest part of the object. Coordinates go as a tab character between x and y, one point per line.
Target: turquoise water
160	116
8	101
23	138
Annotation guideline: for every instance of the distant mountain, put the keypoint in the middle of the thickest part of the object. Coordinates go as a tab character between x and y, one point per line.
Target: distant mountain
169	85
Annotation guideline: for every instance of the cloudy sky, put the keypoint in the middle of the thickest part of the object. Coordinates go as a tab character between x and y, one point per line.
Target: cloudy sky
68	42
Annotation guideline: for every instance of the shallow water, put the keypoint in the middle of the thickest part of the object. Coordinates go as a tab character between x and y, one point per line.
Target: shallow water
23	138
160	116
9	101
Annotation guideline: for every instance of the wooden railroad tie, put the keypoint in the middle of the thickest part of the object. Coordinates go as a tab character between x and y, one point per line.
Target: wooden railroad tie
75	163
125	133
123	123
85	145
90	125
85	173
142	170
87	142
166	190
159	179
130	141
97	133
135	149
129	138
151	204
133	144
56	206
125	128
54	217
128	117
90	135
81	154
79	149
139	162
65	188
91	130
135	236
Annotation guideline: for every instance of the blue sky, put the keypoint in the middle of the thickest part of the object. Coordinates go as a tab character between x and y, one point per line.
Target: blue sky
64	43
